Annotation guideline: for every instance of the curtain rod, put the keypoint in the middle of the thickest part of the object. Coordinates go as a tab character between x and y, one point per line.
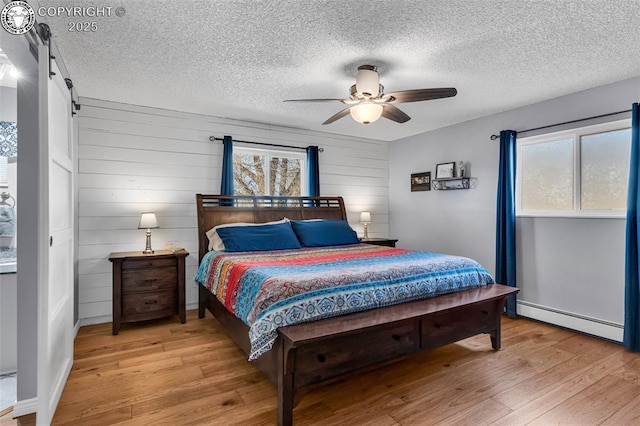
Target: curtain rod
494	137
213	138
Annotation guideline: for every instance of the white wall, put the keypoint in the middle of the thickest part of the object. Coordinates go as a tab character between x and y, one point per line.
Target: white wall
572	265
134	159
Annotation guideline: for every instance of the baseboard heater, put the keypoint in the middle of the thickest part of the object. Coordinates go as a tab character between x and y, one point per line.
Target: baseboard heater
594	326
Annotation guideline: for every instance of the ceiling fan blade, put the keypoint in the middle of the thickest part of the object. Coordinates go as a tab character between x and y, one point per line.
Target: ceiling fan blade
422	94
314	100
394	114
337	116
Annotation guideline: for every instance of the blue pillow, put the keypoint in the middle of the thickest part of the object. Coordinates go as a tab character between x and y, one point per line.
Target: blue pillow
324	233
258	238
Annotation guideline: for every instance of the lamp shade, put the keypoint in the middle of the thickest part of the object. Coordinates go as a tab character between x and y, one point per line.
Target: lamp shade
148	221
365	217
366	112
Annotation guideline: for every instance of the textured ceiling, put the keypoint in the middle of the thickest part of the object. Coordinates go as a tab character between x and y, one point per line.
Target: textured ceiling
240	58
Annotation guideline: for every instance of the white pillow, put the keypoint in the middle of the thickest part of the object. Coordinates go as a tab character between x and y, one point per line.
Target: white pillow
215	242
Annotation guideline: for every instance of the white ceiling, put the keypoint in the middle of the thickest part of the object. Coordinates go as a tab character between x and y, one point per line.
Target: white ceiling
240	58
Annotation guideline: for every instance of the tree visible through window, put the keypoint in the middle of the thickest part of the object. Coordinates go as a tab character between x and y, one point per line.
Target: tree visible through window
259	172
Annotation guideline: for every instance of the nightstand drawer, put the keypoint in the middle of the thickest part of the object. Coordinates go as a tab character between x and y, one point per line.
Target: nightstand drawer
149	280
137	306
149	263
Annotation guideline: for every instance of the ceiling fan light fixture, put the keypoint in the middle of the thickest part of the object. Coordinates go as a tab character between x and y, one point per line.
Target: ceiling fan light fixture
367	101
367	81
366	113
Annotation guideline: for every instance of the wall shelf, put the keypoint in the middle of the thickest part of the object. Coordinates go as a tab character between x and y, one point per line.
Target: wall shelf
451	183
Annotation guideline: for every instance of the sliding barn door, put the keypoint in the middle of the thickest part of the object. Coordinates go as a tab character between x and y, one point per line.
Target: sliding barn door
55	289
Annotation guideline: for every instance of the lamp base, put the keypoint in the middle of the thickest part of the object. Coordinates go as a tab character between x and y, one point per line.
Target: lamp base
147	249
366	231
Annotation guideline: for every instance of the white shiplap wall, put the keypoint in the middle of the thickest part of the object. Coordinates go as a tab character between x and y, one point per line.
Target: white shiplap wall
134	159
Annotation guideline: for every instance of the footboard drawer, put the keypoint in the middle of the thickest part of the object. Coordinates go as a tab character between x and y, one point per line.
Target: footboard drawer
319	361
449	327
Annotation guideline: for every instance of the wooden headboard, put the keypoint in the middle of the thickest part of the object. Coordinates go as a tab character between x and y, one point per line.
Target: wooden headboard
218	209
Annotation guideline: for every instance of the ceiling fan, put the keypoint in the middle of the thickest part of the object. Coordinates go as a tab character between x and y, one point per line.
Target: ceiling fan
368	102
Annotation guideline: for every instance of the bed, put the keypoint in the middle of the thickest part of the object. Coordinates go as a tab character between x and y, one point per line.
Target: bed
312	351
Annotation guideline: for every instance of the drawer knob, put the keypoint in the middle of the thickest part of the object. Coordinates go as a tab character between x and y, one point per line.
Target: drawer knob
151	302
150	280
485	312
438	326
396	337
321	358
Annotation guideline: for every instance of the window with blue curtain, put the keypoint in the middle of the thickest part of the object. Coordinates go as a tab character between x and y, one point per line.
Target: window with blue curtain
255	171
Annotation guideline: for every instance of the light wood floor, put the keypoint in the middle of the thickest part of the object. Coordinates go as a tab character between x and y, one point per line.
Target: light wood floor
173	374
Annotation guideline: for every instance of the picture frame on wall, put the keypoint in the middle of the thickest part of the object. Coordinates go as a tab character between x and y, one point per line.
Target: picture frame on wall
446	170
421	181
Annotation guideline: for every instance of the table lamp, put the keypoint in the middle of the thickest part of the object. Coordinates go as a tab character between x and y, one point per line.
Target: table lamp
365	218
148	221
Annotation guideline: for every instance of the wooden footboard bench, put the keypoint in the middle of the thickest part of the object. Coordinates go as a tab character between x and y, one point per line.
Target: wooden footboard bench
313	352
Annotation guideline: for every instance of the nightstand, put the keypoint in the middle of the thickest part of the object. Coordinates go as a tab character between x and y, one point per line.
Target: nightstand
379	241
148	286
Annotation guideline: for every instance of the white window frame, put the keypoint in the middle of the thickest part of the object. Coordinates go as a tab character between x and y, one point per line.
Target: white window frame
576	134
277	153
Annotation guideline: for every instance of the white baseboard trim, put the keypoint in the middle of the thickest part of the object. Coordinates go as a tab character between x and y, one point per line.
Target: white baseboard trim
94	320
24	407
58	387
570	320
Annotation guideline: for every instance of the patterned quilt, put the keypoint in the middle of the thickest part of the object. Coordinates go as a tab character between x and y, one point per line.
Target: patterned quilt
271	289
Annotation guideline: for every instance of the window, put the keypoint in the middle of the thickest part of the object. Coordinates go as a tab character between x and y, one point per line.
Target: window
582	172
266	172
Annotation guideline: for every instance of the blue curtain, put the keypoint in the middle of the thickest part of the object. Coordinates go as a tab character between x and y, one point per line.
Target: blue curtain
226	184
313	173
506	217
631	339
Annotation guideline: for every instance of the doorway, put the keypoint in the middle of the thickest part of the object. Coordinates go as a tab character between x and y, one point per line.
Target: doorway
8	237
